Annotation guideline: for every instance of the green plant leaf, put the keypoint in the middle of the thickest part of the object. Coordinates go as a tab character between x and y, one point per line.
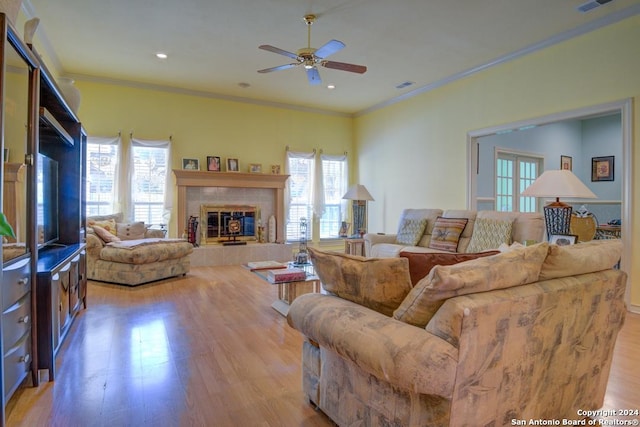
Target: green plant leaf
5	227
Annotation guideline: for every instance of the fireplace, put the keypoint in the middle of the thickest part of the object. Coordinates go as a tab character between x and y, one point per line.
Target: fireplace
228	223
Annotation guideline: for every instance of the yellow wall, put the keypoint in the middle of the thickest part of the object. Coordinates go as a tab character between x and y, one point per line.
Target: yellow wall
202	126
421	144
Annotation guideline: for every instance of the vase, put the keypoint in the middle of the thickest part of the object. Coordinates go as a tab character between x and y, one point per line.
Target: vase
70	92
11	9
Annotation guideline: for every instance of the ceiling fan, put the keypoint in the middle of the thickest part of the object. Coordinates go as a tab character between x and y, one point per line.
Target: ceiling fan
310	57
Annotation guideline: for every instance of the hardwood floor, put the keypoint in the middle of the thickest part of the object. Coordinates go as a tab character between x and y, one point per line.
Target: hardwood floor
205	350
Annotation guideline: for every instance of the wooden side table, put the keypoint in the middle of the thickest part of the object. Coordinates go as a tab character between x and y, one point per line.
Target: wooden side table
354	246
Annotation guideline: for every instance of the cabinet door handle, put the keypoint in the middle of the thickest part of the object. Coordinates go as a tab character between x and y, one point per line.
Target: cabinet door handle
23	281
25	359
24	319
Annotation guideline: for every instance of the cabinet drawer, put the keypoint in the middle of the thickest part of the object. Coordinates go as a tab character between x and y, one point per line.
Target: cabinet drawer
16	281
16	321
17	361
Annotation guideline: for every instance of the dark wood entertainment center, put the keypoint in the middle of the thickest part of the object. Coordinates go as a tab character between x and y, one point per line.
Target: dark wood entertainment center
43	283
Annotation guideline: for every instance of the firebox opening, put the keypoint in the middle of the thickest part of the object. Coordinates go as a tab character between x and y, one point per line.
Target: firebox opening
216	220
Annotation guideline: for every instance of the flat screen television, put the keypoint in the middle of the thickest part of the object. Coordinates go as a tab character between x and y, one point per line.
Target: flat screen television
47	199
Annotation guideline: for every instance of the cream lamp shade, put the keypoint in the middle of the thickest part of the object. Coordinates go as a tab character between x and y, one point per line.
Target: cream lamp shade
360	196
558	183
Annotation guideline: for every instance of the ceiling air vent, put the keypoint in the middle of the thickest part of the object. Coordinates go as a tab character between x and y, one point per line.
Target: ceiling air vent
404	84
590	5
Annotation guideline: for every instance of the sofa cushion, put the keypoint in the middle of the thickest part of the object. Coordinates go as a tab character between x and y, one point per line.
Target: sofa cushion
377	283
587	257
106	224
490	233
131	230
446	233
516	267
410	231
421	263
105	234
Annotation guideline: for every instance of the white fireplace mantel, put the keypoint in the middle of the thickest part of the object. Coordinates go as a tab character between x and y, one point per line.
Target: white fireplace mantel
191	178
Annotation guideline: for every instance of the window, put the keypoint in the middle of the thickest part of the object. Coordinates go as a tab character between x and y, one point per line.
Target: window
514	173
334	176
148	183
301	169
102	172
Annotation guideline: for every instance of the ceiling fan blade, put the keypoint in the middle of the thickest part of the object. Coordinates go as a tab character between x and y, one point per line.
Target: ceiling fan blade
314	76
279	67
329	48
278	51
353	68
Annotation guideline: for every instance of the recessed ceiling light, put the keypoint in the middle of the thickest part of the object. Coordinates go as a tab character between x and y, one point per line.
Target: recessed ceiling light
161	55
331	86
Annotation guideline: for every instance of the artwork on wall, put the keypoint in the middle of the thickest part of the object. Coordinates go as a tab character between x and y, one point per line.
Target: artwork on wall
232	165
255	168
191	164
275	169
213	163
566	163
602	168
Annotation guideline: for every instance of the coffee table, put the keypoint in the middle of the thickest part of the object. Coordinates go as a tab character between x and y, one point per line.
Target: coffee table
289	291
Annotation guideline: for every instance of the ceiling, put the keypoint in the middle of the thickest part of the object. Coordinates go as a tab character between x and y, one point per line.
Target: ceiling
212	45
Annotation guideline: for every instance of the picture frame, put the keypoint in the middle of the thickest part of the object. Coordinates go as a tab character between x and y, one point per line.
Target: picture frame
255	168
566	163
563	239
275	169
233	165
602	168
190	164
213	163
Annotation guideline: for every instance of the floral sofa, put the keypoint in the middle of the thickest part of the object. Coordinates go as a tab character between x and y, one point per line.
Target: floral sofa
130	254
524	334
460	231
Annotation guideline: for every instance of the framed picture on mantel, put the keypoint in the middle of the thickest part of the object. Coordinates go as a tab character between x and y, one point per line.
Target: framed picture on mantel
232	165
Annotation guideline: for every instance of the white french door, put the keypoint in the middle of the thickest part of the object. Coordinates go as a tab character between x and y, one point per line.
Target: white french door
514	173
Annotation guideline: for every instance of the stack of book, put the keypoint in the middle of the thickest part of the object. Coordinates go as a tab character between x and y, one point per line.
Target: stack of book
286	275
265	265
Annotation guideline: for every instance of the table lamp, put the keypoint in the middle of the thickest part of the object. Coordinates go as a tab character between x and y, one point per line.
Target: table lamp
360	196
558	183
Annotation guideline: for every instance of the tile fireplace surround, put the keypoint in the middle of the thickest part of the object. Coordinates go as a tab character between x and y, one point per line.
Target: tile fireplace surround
266	191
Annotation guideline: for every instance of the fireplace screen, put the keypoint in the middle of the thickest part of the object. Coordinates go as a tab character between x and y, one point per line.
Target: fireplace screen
224	223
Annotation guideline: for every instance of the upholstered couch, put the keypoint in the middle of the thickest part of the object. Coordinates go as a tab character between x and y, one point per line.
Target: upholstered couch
130	254
525	334
469	231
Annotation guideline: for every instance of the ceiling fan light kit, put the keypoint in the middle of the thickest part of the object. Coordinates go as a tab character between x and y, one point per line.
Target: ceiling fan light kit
310	57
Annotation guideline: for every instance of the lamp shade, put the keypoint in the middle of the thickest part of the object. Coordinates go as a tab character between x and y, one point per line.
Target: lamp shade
357	192
558	183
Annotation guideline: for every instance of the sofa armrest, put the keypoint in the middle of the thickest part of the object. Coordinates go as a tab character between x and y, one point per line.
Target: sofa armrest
371	239
401	354
94	246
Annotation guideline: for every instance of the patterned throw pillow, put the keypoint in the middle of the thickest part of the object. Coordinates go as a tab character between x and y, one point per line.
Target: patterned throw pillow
446	233
131	231
514	268
107	224
104	234
410	231
490	234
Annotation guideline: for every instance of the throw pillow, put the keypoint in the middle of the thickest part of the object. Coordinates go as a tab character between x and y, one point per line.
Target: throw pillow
410	231
517	267
376	283
107	224
490	233
446	233
105	234
130	231
420	264
587	257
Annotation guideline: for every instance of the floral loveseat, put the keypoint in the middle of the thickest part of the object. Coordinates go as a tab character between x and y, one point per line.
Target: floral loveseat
130	254
524	334
460	231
